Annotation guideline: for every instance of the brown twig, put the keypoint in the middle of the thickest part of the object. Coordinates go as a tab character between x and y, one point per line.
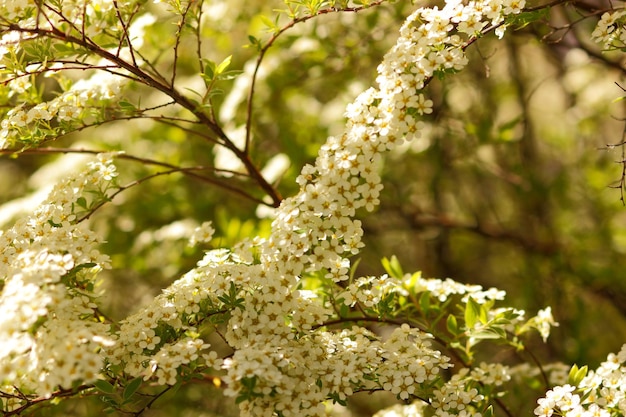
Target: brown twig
263	50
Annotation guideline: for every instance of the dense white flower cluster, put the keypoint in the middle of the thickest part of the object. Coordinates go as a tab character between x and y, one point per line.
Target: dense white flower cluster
456	396
302	373
369	291
287	359
158	339
283	359
50	334
409	362
609	31
314	231
76	104
33	119
491	374
444	289
601	393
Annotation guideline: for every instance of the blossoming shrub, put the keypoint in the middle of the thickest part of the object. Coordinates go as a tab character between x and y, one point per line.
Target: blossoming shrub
282	321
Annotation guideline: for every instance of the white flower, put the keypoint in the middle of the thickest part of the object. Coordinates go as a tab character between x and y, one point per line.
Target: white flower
202	234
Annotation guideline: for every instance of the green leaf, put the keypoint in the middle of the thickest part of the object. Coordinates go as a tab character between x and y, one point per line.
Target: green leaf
353	268
209	70
82	202
229	75
526	18
104	386
425	302
576	375
472	313
412	282
452	324
392	266
269	23
223	65
110	401
254	42
131	388
127	107
489	333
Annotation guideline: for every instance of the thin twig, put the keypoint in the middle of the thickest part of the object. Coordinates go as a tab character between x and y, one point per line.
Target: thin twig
188	171
178	36
268	45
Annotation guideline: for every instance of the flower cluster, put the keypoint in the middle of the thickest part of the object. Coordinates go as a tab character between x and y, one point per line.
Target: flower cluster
31	119
160	339
314	233
301	374
369	291
609	31
444	289
49	327
202	234
410	364
30	125
279	298
458	396
600	393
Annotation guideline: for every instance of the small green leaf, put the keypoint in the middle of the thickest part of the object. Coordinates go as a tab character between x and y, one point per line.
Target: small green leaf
425	302
229	75
452	324
254	42
267	22
353	267
131	388
81	202
104	386
127	106
572	373
576	375
111	401
392	266
472	313
412	282
223	65
209	69
489	333
525	18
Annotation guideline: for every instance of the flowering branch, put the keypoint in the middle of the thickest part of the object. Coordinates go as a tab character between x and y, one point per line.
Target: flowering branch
138	75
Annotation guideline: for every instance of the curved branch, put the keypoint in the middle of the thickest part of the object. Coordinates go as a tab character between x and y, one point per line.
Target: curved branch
62	393
174	94
171	169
